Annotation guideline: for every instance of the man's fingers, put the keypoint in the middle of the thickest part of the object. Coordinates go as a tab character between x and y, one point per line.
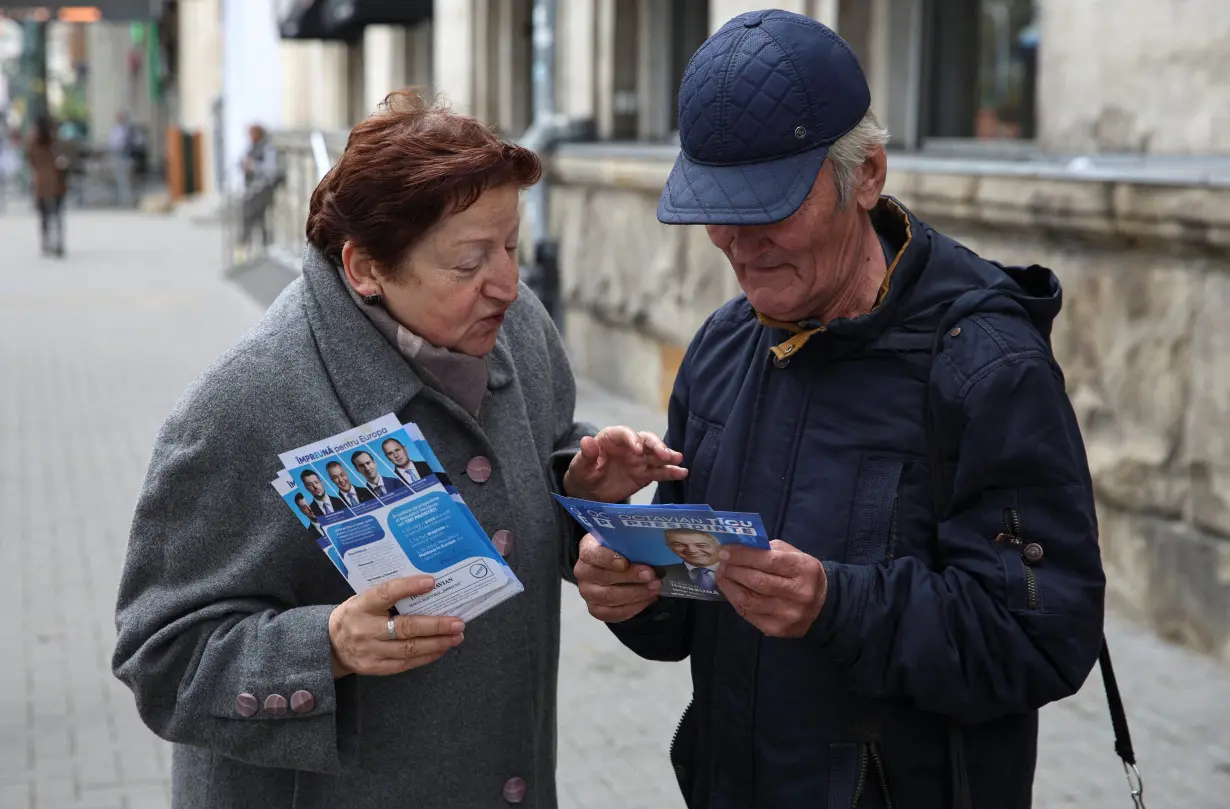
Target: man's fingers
618	595
745	602
589	447
787	564
633	574
665	472
418	626
615	615
598	555
758	581
380	598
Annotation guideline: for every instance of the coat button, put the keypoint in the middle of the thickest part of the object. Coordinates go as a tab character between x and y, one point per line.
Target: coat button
503	541
275	704
478	469
1032	553
246	704
302	702
514	789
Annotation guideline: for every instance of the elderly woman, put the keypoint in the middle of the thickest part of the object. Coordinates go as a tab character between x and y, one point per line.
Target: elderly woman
237	636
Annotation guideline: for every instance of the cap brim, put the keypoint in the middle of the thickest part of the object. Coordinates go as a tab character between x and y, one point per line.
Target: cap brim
750	194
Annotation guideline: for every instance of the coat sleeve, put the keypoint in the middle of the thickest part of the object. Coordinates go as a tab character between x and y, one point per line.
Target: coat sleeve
207	610
988	634
568	433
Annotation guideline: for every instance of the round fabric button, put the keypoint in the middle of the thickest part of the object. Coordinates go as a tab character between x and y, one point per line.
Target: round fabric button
503	541
1032	553
246	704
302	702
514	789
479	469
275	704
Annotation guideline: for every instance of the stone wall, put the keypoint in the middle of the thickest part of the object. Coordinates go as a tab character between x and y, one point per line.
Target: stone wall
1144	338
1142	76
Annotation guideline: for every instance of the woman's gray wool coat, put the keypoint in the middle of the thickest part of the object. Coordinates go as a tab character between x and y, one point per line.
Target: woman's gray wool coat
222	593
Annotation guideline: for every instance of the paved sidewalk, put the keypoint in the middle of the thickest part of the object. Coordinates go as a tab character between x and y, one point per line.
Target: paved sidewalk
109	337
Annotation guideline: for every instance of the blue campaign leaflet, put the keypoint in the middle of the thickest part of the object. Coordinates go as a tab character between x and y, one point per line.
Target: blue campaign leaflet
370	502
680	542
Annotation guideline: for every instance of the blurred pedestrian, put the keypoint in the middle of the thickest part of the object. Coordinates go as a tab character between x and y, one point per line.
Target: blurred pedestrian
48	170
10	166
260	178
119	147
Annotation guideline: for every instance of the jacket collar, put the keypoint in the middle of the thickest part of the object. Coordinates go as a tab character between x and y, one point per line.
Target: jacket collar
369	375
892	218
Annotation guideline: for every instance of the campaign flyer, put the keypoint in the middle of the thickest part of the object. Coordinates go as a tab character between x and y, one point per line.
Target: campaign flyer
372	503
680	543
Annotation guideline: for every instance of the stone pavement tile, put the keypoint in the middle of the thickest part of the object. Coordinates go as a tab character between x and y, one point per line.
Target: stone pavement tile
16	796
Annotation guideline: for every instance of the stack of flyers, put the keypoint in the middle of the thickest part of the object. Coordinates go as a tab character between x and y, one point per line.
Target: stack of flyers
680	542
377	501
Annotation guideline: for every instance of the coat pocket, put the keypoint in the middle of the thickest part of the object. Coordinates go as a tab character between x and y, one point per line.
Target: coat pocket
700	447
872	536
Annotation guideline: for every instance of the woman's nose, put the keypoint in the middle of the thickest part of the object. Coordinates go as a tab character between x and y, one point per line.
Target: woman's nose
503	284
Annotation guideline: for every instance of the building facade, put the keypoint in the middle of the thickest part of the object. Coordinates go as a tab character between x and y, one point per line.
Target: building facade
1072	135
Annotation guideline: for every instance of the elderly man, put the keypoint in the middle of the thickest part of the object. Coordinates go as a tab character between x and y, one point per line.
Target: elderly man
888	402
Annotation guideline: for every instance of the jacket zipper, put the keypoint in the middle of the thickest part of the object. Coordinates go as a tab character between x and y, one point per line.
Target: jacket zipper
678	730
1012	536
862	777
883	776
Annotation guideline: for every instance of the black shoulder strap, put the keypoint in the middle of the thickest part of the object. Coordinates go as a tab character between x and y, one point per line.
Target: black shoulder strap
961	307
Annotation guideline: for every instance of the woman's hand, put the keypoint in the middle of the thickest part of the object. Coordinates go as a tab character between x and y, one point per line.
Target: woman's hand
619	462
359	631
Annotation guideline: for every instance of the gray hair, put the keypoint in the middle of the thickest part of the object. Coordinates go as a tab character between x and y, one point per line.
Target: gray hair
851	151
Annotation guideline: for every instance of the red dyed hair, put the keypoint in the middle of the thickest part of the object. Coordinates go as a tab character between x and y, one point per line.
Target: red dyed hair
404	169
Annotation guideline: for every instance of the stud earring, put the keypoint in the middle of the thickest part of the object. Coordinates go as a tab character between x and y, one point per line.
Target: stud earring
374	299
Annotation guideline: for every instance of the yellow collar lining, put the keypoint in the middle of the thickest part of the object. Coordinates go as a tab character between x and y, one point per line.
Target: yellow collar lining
801	334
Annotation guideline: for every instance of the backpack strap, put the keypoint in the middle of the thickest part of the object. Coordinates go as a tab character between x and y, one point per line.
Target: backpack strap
962	306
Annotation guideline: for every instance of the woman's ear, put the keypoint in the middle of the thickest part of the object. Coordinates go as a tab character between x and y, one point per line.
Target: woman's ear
360	270
871	178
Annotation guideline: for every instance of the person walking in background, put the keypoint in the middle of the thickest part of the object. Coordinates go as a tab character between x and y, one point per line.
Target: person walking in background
260	180
10	166
48	168
119	146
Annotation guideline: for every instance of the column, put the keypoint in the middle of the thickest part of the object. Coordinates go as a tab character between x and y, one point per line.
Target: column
575	62
654	79
453	53
200	76
419	46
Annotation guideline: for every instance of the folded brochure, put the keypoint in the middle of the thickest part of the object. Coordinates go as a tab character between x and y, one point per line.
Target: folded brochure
680	542
378	503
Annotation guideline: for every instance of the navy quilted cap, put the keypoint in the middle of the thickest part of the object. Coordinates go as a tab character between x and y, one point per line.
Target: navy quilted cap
760	104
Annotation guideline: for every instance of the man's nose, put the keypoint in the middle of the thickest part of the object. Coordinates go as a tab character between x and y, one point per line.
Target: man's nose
747	243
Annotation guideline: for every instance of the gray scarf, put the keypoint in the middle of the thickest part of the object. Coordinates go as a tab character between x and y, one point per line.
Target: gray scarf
460	377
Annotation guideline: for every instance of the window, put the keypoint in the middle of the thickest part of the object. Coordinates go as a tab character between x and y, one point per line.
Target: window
981	69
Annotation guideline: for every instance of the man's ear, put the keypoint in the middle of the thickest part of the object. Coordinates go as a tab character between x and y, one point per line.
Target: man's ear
871	178
360	270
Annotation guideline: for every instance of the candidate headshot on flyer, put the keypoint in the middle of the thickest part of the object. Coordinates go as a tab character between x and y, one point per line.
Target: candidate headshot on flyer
397	451
352	494
378	475
321	502
698	558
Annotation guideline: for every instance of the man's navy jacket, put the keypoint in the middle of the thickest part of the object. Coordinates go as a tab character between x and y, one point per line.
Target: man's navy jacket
972	620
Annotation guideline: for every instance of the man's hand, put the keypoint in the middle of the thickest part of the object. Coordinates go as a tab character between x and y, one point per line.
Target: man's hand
619	462
779	591
614	590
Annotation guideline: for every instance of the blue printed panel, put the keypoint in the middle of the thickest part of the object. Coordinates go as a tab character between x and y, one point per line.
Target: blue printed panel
434	534
356	533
